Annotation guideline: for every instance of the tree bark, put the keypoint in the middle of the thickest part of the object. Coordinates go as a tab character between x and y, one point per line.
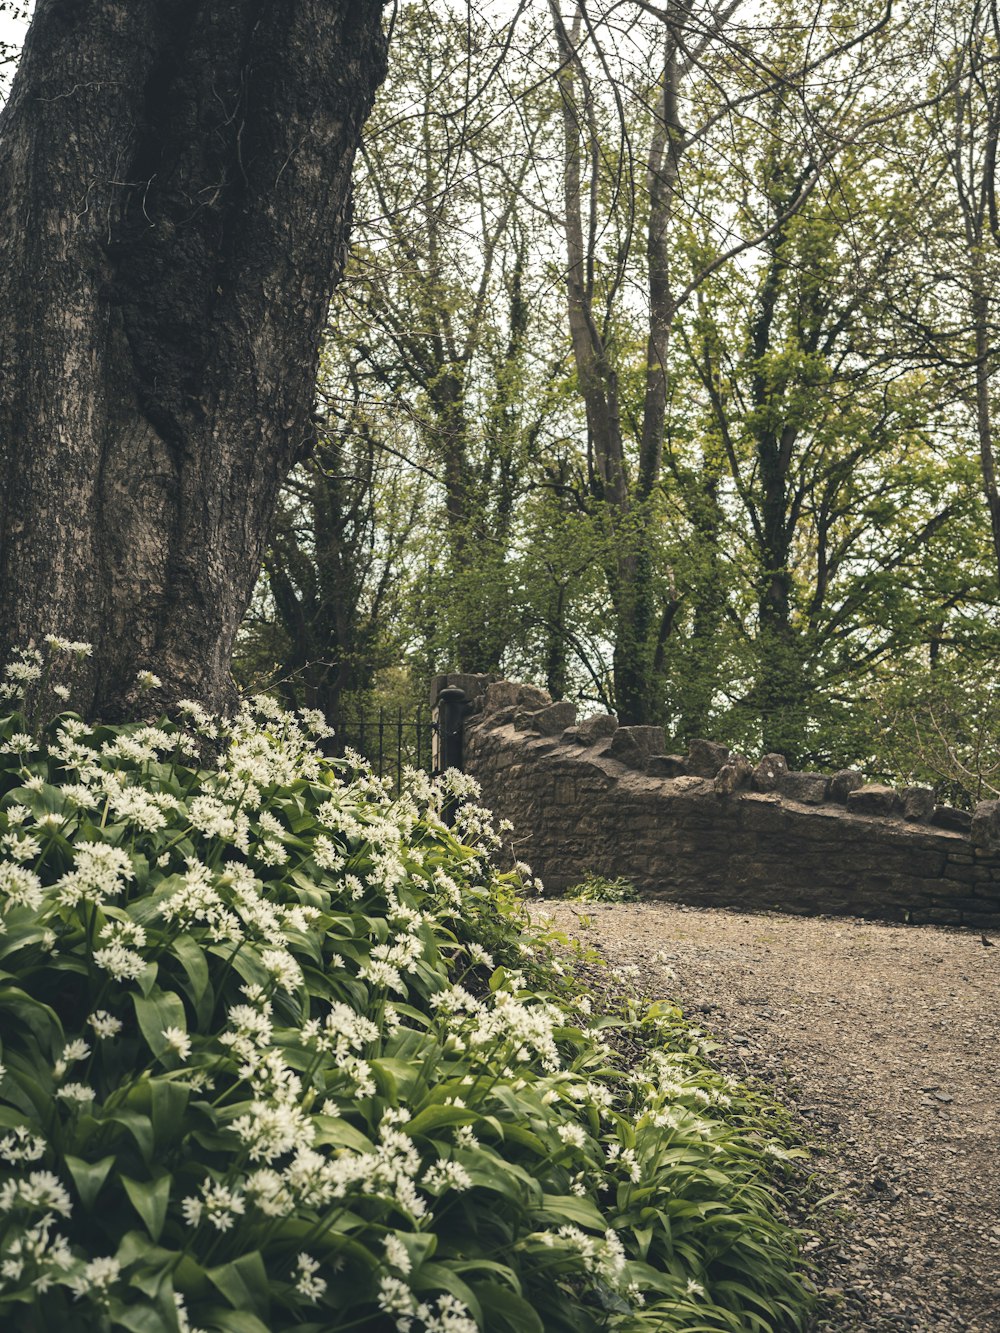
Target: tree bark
175	187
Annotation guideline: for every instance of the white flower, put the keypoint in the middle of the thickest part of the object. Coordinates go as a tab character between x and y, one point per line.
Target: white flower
96	1277
99	871
61	645
306	1282
479	955
283	968
395	1297
218	1203
104	1024
75	1050
396	1254
21	887
209	816
76	1092
446	1176
123	964
20	1145
573	1135
146	680
316	723
21	846
178	1040
41	1192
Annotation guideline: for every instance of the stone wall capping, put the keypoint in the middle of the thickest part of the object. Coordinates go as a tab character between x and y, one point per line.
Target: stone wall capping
553	719
918	804
508	694
733	775
874	798
842	783
632	746
808	788
765	776
596	728
985	827
705	758
949	817
666	766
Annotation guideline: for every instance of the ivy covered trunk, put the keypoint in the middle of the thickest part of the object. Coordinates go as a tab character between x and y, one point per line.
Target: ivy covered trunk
174	213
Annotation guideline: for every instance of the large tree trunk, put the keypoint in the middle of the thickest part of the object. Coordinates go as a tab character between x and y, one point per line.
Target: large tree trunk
175	196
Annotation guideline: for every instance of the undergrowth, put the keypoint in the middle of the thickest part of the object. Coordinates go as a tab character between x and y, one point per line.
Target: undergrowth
599	889
281	1052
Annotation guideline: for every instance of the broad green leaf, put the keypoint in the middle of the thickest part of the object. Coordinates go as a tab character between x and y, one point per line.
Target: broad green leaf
88	1177
581	1212
433	1276
168	1102
244	1283
141	1129
155	1012
235	1321
506	1309
435	1117
149	1198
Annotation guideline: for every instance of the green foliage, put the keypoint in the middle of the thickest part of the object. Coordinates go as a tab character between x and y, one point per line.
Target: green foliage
598	889
278	1054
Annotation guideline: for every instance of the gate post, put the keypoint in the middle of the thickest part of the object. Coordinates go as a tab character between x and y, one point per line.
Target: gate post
449	729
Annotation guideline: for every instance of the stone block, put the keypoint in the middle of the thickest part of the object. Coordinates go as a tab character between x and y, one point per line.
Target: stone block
666	766
554	718
733	775
765	776
510	694
950	817
596	728
473	685
843	783
809	788
705	758
874	798
634	745
986	827
918	804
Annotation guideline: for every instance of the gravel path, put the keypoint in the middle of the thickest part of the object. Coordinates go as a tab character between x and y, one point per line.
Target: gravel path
886	1040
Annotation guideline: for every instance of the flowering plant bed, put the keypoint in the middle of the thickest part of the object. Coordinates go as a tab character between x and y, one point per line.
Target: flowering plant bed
279	1053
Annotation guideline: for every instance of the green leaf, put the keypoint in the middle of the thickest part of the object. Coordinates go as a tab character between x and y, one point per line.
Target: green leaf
191	957
435	1117
507	1309
168	1102
88	1177
433	1276
244	1283
333	1130
155	1012
582	1212
234	1321
149	1198
141	1129
38	1018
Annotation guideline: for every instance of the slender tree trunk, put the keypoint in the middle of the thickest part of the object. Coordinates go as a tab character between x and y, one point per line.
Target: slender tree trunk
984	422
174	212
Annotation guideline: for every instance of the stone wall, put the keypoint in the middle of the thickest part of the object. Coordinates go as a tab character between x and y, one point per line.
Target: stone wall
711	828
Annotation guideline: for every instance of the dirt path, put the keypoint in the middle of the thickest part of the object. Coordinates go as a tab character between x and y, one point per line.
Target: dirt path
887	1040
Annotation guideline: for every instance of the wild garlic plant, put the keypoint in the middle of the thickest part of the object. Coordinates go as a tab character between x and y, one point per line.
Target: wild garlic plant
277	1053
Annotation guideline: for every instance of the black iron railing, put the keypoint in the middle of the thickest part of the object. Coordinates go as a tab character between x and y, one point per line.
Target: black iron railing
389	738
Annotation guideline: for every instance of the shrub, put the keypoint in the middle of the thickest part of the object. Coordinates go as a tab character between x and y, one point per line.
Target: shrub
275	1056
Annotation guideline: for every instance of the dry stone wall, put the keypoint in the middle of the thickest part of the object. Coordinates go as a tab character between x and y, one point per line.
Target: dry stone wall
709	827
